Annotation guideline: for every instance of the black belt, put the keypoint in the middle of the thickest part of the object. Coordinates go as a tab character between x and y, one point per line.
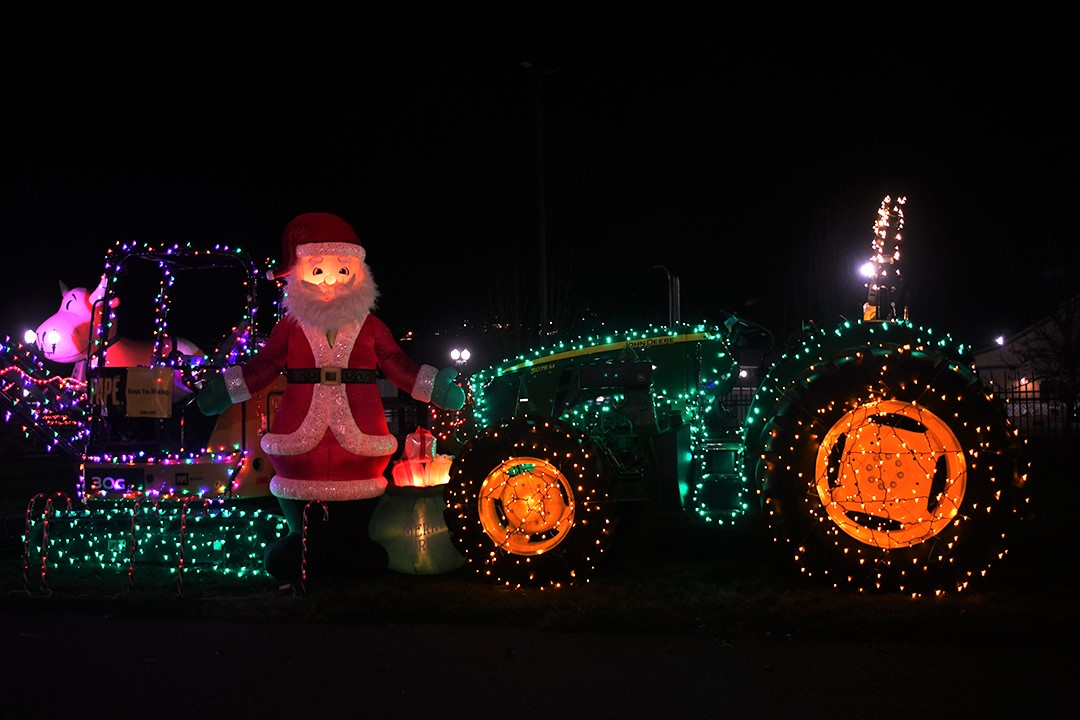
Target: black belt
329	375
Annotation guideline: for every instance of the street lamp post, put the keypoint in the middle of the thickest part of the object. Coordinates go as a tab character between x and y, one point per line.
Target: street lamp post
674	312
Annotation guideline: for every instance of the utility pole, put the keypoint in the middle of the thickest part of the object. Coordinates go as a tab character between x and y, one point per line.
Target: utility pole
538	76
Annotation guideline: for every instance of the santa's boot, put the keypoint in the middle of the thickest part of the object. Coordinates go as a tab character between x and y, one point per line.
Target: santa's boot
284	557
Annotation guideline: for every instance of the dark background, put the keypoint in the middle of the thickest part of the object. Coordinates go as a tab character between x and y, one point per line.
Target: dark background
752	173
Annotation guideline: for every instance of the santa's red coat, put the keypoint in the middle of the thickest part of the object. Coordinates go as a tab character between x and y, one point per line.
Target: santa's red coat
330	442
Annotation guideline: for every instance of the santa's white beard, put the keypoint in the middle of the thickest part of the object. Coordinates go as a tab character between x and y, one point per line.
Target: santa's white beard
306	302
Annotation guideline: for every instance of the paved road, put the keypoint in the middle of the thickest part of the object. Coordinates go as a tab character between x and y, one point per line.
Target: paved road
56	664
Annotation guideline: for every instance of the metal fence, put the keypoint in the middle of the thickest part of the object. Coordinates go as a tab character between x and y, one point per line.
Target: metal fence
1034	415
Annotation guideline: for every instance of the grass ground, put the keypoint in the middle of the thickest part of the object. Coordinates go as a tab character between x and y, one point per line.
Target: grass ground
667	573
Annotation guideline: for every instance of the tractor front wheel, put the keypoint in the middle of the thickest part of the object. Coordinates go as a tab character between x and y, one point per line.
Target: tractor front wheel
527	504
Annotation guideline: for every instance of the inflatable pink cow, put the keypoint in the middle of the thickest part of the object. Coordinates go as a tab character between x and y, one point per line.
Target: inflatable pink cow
65	336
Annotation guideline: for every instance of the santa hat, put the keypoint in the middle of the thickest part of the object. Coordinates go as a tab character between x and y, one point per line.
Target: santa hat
316	233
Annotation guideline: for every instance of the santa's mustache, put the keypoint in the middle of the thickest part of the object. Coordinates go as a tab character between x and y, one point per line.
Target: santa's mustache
327	291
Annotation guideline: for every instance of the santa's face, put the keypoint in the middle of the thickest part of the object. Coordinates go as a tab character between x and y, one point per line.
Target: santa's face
329	274
329	291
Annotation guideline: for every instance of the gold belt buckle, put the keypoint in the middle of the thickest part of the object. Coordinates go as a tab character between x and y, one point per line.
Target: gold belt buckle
330	376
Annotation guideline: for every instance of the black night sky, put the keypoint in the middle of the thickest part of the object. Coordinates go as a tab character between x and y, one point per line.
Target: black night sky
755	178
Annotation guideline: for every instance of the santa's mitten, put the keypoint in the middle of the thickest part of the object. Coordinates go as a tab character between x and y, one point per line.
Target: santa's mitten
446	393
214	398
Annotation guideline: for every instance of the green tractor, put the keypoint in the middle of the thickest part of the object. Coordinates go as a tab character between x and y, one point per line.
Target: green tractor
872	450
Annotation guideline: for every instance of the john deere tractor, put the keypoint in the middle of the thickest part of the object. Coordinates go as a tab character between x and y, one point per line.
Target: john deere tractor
871	449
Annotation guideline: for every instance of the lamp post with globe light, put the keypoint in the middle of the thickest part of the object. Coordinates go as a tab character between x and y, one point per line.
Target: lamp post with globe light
460	356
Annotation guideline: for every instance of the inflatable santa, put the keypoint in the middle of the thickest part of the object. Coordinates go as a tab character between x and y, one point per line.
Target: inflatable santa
329	443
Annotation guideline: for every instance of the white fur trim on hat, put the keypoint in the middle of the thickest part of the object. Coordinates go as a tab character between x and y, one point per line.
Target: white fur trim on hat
337	249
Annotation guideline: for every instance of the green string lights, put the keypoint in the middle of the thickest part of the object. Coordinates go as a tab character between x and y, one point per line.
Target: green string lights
191	537
620	387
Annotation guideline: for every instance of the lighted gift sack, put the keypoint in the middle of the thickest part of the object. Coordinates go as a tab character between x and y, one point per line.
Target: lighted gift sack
408	520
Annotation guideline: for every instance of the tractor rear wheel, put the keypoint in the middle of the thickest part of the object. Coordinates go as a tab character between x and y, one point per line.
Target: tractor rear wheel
890	468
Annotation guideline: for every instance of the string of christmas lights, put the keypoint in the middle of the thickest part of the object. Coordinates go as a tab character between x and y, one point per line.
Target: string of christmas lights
885	284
